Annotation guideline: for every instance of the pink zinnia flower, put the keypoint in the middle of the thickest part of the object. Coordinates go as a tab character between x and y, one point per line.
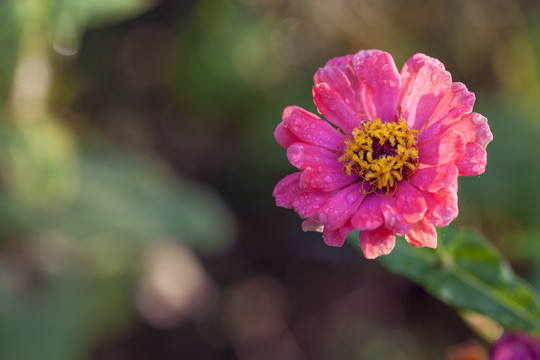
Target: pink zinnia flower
516	346
391	165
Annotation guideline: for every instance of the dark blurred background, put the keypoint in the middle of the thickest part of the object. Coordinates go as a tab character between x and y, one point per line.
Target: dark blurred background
137	162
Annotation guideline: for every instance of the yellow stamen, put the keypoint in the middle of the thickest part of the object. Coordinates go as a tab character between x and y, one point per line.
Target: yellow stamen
396	159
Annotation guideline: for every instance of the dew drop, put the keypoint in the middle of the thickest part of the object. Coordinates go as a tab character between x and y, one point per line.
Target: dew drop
305	209
351	198
477	119
435	77
327	179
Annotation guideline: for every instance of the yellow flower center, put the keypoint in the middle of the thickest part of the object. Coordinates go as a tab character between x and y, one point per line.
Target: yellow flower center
381	154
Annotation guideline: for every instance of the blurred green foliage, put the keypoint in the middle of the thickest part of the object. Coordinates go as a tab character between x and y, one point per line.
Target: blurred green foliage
76	219
9	35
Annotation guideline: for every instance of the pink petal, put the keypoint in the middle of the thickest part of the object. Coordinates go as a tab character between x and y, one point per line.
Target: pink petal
287	189
404	209
378	84
344	64
340	207
474	128
332	106
325	178
284	136
310	129
410	202
336	237
424	83
429	97
452	106
306	155
435	178
369	215
442	207
465	141
473	161
332	75
377	242
308	203
441	150
392	218
336	78
422	234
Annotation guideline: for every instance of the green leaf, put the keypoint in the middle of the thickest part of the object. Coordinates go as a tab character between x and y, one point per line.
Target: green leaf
468	273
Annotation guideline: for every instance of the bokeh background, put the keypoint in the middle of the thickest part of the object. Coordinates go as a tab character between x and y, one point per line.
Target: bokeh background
137	163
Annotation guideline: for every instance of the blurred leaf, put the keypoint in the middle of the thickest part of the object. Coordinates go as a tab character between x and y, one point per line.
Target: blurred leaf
9	37
69	18
524	247
466	272
38	161
99	12
225	59
126	196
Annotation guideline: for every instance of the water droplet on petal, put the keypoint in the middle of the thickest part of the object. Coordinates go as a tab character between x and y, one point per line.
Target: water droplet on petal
351	198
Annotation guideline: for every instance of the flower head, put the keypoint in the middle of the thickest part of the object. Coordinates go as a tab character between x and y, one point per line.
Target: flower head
390	162
516	346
